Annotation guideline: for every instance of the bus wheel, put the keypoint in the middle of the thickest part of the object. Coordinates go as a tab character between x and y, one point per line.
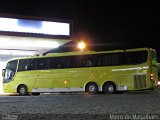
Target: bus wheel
22	90
92	88
109	88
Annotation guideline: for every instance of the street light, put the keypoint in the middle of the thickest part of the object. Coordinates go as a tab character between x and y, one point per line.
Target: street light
81	45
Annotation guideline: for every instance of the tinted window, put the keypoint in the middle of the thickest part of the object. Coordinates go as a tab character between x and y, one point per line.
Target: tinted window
111	59
123	58
135	57
80	61
56	63
26	64
73	61
108	59
88	60
33	64
41	63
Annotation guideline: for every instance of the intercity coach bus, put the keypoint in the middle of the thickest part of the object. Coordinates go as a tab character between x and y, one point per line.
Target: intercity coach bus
87	71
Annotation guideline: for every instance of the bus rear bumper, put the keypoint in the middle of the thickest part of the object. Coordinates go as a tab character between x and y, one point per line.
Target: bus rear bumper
122	88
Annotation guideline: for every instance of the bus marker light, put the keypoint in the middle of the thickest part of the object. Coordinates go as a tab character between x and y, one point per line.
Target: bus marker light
65	82
151	76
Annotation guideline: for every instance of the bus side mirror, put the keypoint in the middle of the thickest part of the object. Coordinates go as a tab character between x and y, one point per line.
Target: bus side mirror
3	72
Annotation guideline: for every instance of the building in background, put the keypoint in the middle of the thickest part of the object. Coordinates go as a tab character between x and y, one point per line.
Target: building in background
27	36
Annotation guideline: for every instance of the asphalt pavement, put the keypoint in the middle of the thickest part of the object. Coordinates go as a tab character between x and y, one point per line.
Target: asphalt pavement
81	106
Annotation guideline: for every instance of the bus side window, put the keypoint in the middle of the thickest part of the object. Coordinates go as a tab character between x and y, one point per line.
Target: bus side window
26	67
134	57
73	61
111	59
99	60
31	65
41	64
56	63
24	64
84	62
59	64
87	61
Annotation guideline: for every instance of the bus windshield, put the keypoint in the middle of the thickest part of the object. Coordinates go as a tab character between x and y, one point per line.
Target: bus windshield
10	71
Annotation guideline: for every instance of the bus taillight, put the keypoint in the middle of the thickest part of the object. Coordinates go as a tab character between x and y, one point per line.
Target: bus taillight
158	82
151	76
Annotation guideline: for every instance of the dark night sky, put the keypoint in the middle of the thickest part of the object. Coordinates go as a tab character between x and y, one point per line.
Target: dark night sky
121	23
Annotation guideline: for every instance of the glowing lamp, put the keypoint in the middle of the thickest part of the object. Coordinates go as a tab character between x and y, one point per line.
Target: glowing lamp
158	82
81	46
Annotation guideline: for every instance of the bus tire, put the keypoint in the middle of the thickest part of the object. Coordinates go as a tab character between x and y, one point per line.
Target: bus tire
109	88
92	88
22	90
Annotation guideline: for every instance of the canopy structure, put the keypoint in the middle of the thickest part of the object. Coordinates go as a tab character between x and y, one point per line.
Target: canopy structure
30	37
27	36
18	45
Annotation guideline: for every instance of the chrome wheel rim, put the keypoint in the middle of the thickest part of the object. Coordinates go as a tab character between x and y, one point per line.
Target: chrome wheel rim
110	88
22	90
92	88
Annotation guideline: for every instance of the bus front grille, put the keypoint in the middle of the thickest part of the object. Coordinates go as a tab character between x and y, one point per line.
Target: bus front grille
139	81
